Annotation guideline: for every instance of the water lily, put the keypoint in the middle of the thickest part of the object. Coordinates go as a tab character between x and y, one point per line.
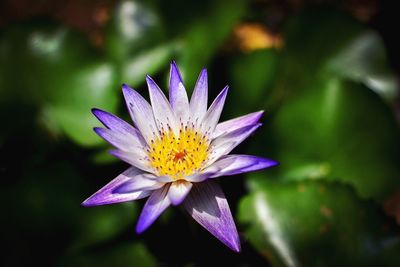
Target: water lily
176	149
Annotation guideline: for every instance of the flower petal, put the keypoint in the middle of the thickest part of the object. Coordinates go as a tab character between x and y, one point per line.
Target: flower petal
177	95
178	191
121	141
106	195
211	118
198	101
155	205
140	182
236	123
163	114
115	124
226	143
135	159
141	113
207	204
199	177
235	164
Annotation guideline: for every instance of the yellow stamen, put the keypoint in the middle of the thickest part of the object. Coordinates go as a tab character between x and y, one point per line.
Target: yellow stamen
180	156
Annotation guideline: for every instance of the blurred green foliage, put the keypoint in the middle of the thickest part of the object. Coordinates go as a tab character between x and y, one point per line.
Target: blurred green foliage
328	95
288	221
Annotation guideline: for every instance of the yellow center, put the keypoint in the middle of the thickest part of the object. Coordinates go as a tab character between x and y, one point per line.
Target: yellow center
178	157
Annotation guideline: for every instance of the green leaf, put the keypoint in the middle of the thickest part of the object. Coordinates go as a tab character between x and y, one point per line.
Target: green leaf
364	60
345	131
353	52
308	37
33	52
149	62
324	124
102	156
251	77
207	35
315	223
73	96
56	70
133	27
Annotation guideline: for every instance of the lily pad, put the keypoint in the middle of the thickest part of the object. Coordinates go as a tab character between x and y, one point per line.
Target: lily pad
252	75
317	223
206	36
345	129
133	27
55	69
329	119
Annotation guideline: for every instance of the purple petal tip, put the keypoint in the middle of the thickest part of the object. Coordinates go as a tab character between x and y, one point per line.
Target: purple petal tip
267	163
235	247
139	229
203	74
97	129
273	163
97	112
126	89
88	203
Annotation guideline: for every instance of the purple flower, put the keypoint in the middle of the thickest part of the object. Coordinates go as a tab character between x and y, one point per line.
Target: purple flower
175	150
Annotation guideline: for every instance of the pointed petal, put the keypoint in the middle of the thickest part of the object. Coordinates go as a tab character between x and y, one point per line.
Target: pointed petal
164	179
140	182
199	177
121	141
155	205
163	114
198	102
178	191
141	113
177	95
214	112
236	123
115	124
235	164
134	159
106	195
207	204
226	143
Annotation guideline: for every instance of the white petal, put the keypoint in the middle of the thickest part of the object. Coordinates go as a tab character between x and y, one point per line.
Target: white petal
178	191
140	182
163	114
236	123
177	95
155	205
121	141
199	177
226	143
134	159
211	118
235	164
119	126
198	102
207	204
107	194
141	113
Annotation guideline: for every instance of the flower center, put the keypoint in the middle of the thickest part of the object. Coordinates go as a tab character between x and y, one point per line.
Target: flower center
181	156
